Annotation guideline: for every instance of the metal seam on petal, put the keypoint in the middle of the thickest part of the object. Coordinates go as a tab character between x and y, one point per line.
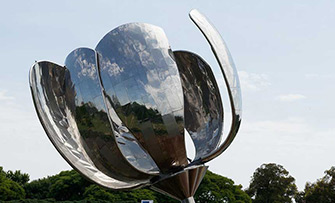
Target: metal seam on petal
84	166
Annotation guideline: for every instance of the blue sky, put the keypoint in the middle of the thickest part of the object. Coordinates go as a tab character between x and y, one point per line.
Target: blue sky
284	52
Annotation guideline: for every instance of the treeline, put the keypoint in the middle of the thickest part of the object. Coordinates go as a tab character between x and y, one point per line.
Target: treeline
270	183
71	186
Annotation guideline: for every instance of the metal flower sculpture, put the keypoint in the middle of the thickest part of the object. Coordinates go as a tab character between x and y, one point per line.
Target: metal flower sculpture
118	113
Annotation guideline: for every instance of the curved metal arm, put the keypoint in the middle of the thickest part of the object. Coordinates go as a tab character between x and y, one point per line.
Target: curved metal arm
229	72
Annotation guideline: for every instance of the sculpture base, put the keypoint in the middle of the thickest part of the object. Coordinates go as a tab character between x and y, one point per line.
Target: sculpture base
183	185
188	200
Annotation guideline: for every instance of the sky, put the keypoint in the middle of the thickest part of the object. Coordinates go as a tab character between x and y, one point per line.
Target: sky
283	50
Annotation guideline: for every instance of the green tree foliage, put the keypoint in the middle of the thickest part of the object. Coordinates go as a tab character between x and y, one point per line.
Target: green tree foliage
271	183
71	186
94	192
9	189
17	176
67	185
322	191
216	188
38	189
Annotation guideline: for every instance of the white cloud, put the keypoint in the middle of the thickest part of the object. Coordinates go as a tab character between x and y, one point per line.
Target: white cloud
293	142
253	81
113	68
4	96
289	126
87	67
319	76
290	97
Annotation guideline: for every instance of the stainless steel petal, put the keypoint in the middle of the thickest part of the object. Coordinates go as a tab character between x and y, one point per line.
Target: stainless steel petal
54	96
112	150
229	72
141	81
202	102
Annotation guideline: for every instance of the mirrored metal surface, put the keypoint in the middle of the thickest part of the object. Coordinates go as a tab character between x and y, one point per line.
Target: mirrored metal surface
54	98
142	84
229	72
202	102
118	114
101	140
183	184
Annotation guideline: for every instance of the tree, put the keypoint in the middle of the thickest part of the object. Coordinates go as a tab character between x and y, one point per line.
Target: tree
38	189
71	186
216	188
94	192
17	176
67	185
322	191
9	190
272	183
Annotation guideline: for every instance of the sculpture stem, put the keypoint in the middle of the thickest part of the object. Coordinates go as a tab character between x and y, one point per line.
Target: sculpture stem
188	200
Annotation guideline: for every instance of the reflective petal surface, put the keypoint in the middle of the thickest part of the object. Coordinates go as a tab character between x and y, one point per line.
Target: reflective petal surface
54	97
101	140
229	72
202	102
118	113
142	84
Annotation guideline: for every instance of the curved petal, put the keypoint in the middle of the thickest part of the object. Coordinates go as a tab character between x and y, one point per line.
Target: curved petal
142	83
229	72
202	102
54	97
109	147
